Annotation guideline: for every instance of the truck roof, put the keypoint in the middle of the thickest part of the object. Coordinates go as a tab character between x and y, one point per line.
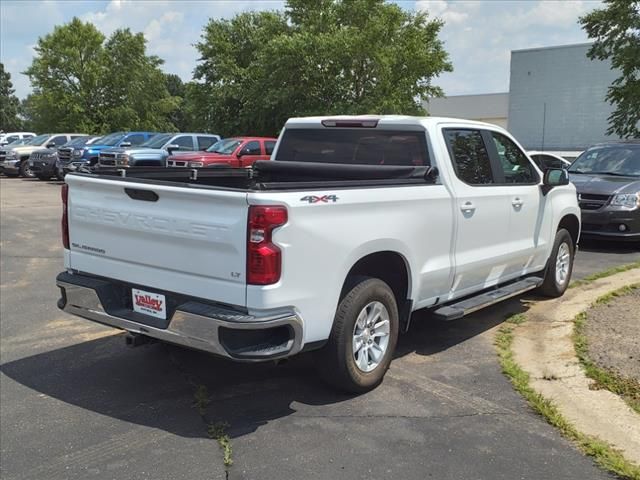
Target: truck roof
382	120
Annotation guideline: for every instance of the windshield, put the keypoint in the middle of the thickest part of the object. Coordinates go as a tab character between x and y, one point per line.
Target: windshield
225	147
112	139
15	143
158	141
39	140
612	160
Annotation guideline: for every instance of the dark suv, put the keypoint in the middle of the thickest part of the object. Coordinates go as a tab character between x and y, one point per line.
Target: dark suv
607	178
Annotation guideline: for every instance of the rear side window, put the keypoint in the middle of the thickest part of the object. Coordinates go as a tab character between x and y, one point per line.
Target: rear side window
206	142
269	146
354	146
251	148
515	165
469	156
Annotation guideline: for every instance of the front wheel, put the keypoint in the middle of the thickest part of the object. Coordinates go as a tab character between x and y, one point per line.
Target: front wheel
25	170
559	266
363	338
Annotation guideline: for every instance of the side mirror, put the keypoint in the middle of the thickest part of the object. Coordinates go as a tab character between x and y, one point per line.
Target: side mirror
125	144
51	145
172	148
554	177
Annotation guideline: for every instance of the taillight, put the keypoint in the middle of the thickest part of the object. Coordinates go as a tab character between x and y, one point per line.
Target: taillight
65	216
264	259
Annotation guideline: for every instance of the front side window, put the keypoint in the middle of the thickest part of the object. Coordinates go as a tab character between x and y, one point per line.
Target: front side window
59	140
251	148
135	139
185	143
515	165
469	156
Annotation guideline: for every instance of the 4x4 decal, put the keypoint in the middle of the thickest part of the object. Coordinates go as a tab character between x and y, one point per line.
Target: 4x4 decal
317	199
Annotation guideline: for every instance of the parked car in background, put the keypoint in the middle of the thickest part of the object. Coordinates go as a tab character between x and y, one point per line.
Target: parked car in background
43	163
154	152
607	178
88	155
236	152
546	160
65	162
16	160
7	138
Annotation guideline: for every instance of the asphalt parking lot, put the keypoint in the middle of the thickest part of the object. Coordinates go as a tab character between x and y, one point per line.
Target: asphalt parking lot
77	403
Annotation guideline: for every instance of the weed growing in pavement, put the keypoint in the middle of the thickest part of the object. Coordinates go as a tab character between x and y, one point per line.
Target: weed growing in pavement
218	431
603	454
627	388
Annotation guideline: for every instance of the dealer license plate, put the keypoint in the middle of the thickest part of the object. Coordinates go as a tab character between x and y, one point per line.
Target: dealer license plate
153	304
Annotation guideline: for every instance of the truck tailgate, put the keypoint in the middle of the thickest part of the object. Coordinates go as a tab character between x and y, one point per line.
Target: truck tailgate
180	239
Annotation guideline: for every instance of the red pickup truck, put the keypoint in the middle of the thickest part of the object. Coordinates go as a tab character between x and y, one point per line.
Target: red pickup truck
237	152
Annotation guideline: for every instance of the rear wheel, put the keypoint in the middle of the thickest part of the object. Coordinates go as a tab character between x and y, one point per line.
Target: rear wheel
25	170
559	266
43	177
363	338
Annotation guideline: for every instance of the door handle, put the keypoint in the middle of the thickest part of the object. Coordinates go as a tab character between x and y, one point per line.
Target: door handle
468	207
517	202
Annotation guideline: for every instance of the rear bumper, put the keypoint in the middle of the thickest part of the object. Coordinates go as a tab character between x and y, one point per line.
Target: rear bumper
192	323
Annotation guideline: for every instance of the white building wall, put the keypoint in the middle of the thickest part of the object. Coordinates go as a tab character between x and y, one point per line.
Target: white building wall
491	107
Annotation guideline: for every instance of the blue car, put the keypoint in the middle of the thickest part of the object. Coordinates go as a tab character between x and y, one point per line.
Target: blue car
87	155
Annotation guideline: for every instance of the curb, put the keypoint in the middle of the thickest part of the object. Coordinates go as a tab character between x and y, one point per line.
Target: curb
543	347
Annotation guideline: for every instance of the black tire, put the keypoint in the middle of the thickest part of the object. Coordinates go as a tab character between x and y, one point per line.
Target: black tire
44	178
335	361
552	286
25	171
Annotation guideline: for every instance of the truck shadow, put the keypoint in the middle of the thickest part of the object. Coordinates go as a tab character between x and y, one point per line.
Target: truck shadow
158	385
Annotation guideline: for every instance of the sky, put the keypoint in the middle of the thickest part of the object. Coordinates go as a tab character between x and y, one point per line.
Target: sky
478	34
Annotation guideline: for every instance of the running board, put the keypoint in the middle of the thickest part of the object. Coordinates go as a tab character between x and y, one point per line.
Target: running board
470	305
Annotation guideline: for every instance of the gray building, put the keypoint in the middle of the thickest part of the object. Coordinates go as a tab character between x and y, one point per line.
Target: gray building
557	98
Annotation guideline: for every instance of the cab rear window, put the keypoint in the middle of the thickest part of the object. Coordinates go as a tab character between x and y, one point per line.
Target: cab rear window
354	146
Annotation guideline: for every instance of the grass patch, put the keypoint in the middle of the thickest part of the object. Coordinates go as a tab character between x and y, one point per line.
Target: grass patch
218	431
627	388
604	273
603	454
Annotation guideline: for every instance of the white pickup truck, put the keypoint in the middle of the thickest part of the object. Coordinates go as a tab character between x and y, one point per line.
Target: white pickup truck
354	224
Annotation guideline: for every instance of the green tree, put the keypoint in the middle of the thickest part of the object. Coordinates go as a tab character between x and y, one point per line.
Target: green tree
616	31
315	58
85	82
177	89
9	103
